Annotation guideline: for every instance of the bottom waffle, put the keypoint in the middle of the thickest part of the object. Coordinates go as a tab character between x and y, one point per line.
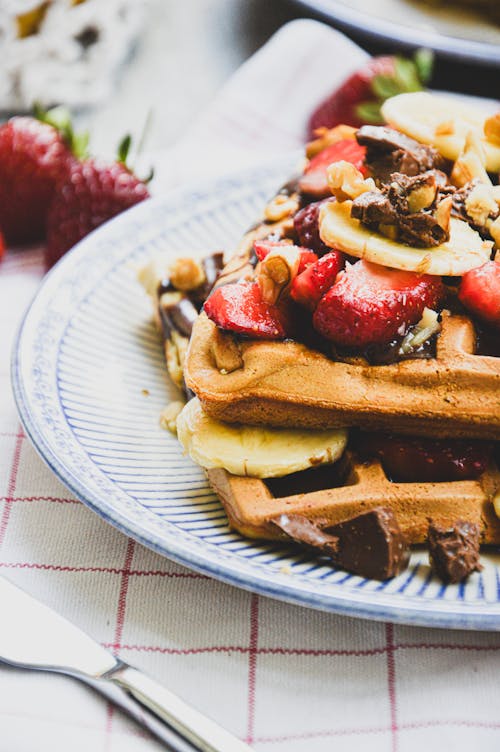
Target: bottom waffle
251	505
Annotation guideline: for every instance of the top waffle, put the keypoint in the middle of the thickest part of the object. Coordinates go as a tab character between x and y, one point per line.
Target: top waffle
289	337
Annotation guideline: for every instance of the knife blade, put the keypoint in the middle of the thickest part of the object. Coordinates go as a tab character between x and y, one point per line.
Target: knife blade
34	636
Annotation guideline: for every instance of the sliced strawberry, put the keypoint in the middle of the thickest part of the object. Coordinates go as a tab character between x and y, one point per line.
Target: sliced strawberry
309	287
480	292
371	304
2	245
359	98
264	247
409	459
314	181
239	307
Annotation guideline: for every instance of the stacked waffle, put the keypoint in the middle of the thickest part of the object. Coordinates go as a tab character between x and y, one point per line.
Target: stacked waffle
345	363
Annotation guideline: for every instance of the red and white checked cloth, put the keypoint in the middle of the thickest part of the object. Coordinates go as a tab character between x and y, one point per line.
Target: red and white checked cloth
281	677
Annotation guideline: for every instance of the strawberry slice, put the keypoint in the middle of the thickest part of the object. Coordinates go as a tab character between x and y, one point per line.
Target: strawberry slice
359	98
409	459
480	292
264	247
314	181
371	304
239	307
309	287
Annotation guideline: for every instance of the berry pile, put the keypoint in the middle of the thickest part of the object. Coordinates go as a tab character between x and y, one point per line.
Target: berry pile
51	190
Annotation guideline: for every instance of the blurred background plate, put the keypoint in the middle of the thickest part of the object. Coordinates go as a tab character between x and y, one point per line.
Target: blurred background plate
453	31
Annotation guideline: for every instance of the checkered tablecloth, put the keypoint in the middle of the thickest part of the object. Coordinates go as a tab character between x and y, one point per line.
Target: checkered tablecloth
281	677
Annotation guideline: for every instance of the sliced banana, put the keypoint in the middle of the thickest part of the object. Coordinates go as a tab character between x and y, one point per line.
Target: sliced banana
442	122
463	251
253	450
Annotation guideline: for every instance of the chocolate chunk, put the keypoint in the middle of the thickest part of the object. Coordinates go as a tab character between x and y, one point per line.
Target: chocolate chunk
212	266
454	550
370	544
373	208
421	230
390	151
177	313
302	530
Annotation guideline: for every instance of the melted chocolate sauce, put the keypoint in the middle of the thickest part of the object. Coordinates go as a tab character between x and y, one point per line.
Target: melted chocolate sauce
315	479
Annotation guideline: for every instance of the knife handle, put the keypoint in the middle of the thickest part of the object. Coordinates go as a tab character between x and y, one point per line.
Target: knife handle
164	714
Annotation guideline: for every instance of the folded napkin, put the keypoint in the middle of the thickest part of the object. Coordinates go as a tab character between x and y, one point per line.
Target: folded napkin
283	678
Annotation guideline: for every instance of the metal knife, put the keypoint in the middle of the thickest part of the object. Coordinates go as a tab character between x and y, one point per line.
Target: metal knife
32	636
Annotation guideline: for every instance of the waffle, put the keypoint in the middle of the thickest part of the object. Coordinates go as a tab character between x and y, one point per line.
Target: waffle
456	394
251	506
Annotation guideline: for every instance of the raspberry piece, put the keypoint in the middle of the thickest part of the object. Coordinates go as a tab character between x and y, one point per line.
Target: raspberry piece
306	226
239	308
480	292
410	459
371	304
309	287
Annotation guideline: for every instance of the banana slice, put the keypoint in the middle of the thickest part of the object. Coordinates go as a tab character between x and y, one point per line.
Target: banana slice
253	450
442	122
463	251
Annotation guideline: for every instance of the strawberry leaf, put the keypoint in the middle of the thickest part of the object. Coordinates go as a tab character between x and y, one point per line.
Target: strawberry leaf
406	75
369	112
124	148
424	63
60	118
385	86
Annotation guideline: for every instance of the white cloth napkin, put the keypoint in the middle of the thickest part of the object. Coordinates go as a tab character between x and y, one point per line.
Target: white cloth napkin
281	677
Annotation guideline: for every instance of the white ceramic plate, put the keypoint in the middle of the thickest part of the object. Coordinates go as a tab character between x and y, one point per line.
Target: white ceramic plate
452	30
86	351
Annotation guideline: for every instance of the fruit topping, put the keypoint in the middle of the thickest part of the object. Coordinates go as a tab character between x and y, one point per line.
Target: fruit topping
443	122
239	307
314	180
370	304
359	98
257	451
309	287
454	550
306	226
463	251
410	459
480	292
264	247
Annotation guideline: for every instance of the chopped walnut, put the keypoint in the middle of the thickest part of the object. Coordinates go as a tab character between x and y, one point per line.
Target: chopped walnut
442	213
480	204
492	129
347	182
186	274
470	164
226	352
175	353
277	271
422	331
168	416
280	207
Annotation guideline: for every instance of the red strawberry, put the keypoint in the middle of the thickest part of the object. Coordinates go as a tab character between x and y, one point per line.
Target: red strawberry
264	247
359	98
371	304
33	158
408	459
92	192
314	181
480	292
239	308
309	287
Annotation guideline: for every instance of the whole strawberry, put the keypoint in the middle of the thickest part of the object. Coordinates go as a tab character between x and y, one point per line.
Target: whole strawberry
33	158
359	98
92	192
